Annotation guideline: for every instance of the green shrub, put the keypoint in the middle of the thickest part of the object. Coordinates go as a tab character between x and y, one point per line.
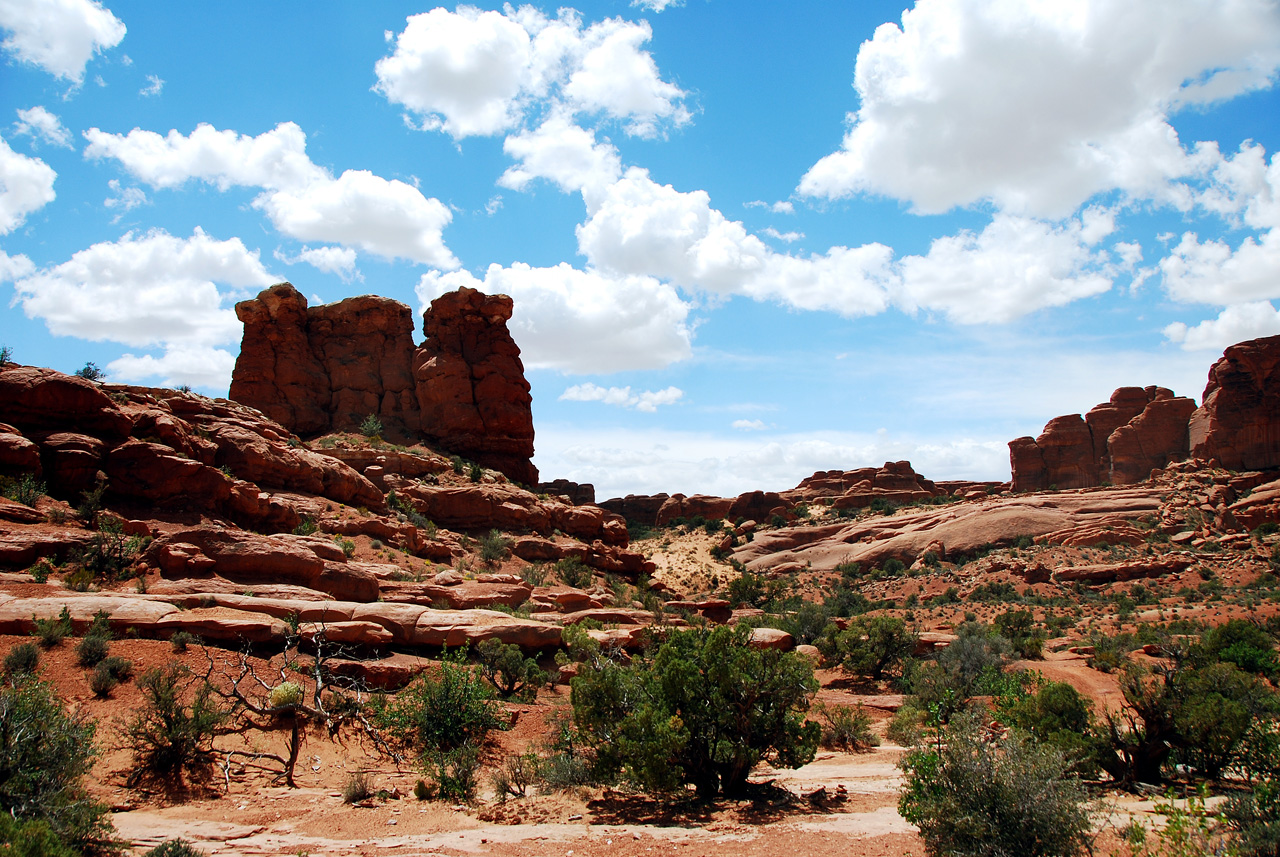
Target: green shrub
516	775
1057	715
968	667
1018	627
1254	819
476	473
44	754
508	670
175	848
287	694
703	711
90	372
180	640
25	489
371	426
494	547
871	646
969	796
456	772
102	681
535	574
906	727
442	711
846	727
51	632
573	572
91	650
306	527
23	659
1241	643
30	839
807	623
170	737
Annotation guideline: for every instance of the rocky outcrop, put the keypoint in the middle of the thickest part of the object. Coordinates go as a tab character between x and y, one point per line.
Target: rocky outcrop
1238	423
579	493
470	383
329	367
1119	441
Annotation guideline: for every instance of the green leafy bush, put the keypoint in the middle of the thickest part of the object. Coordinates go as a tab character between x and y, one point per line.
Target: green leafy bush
969	796
1241	643
573	572
703	711
169	736
175	848
846	727
91	650
51	632
1057	715
25	489
494	547
442	711
23	659
871	646
371	426
44	754
508	670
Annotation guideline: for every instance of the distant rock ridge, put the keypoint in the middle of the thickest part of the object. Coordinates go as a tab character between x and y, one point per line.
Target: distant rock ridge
896	482
1142	429
328	368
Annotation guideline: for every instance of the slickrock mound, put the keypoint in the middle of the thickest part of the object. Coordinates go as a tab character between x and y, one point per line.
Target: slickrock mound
1239	422
579	493
327	368
946	531
471	387
1119	441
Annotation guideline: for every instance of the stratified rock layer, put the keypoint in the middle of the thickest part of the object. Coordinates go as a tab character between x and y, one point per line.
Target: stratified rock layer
330	367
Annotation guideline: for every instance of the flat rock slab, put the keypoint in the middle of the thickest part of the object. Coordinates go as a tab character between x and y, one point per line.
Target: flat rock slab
18	615
148	829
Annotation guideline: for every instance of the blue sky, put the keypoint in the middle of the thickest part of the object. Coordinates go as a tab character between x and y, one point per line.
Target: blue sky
746	240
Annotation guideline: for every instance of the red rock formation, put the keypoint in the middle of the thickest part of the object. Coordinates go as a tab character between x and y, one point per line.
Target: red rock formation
471	388
328	368
1239	422
277	372
1150	440
1119	441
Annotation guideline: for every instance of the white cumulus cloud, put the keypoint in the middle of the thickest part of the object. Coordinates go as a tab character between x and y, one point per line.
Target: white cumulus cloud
385	217
154	86
472	72
43	125
647	401
334	260
944	100
26	185
156	290
1211	272
581	322
60	36
1013	267
1234	324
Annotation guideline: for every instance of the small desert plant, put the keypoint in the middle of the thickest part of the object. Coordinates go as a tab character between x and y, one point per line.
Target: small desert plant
573	572
535	574
91	650
102	682
175	848
371	426
516	775
494	547
90	372
358	787
6	355
476	472
458	464
23	659
180	640
41	570
167	735
25	490
285	695
456	772
307	526
51	632
846	728
975	797
348	547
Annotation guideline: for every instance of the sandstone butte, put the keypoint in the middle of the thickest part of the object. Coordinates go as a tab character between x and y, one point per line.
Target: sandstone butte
328	368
